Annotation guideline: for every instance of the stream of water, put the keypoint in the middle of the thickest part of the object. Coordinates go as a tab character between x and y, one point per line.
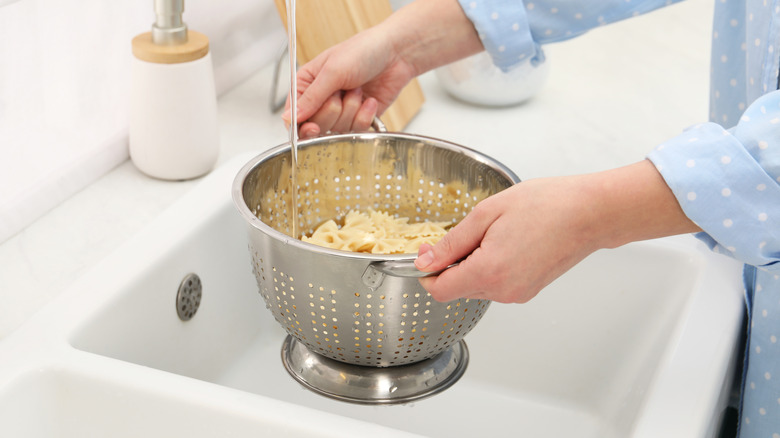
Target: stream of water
293	55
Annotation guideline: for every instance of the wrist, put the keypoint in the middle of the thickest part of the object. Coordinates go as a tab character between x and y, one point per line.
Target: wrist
427	34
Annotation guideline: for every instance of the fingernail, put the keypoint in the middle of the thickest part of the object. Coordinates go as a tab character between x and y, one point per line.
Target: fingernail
309	132
424	260
286	115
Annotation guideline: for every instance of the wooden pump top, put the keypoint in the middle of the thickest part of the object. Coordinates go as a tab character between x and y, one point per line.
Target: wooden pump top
196	47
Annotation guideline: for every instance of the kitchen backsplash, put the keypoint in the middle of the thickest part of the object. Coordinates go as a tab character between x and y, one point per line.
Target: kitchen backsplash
64	81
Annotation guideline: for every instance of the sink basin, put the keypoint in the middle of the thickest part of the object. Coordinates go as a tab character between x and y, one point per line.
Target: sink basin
87	401
638	341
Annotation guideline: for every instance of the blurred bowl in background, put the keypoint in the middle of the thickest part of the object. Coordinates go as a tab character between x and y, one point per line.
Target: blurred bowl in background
477	81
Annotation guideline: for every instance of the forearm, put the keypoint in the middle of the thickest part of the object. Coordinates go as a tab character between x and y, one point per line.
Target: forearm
431	33
629	204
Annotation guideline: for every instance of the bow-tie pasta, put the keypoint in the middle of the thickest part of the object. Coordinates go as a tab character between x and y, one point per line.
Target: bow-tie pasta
377	233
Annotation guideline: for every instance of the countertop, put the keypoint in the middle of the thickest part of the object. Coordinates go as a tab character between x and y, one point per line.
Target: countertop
611	96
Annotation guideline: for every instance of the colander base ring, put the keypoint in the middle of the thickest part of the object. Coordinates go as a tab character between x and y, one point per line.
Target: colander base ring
373	385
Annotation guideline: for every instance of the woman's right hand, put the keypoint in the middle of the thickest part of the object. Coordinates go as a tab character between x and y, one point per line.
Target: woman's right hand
345	87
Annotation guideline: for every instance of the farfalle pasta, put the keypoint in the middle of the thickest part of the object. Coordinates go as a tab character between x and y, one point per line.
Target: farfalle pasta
377	233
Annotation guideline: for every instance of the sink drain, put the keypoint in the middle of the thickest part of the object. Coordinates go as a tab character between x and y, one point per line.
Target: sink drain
188	297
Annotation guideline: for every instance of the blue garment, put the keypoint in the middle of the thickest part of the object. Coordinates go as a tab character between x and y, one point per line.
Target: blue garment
725	173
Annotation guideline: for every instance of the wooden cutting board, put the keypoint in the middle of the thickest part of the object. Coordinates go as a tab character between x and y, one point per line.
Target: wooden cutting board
324	23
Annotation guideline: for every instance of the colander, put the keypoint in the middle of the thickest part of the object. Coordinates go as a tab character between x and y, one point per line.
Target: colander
357	308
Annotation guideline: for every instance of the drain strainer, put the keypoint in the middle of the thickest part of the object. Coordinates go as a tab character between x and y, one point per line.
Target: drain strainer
188	297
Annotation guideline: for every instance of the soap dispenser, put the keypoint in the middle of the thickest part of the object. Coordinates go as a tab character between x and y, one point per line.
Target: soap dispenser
173	132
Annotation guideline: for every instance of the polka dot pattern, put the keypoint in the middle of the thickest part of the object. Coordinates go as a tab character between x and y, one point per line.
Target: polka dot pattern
724	184
732	194
735	180
761	399
503	28
744	60
725	174
512	31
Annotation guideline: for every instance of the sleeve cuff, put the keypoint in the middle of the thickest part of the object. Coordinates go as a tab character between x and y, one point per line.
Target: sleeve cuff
504	30
724	190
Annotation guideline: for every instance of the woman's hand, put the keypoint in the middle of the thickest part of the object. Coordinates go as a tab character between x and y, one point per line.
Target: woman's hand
345	87
518	241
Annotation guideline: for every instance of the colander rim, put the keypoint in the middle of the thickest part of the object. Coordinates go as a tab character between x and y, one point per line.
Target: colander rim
255	222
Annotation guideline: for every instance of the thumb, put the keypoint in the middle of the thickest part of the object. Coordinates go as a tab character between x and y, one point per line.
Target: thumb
459	242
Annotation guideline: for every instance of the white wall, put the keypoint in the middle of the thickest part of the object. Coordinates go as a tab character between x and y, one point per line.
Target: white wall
64	77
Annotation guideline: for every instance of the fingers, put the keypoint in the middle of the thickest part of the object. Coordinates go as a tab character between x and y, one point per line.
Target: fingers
327	115
459	242
340	114
475	277
528	235
313	89
484	275
350	104
365	115
309	130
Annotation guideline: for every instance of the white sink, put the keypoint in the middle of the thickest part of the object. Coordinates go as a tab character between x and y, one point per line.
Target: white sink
639	341
89	401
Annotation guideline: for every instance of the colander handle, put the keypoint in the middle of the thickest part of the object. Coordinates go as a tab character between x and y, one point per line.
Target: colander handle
401	268
378	125
375	273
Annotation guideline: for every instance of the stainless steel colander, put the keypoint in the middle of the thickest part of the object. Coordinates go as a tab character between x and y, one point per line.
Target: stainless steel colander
361	309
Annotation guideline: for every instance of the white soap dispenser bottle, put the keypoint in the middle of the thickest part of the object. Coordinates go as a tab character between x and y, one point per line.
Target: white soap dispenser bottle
173	132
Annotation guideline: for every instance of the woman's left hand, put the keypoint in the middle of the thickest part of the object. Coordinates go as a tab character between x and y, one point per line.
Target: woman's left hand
518	241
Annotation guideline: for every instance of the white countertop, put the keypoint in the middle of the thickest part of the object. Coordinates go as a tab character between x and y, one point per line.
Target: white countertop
612	95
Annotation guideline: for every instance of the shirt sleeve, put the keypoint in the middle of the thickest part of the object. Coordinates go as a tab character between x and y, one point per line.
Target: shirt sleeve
728	182
513	31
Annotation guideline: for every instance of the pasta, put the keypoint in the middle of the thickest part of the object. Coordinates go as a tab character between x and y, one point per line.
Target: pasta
377	233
